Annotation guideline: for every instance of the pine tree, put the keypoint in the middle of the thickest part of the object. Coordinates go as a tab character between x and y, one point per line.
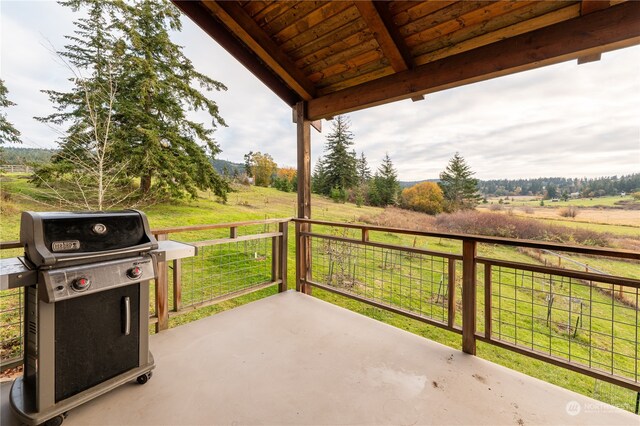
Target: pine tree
459	187
362	167
385	186
318	178
339	163
123	49
165	147
8	133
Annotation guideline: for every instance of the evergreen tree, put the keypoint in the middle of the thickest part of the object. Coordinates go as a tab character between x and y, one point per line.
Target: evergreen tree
339	163
165	147
130	74
458	185
318	178
385	186
8	133
362	167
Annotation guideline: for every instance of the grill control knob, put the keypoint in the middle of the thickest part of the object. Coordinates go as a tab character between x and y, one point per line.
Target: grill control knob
135	272
80	284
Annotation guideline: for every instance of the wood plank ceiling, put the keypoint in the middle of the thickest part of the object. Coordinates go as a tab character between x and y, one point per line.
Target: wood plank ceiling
342	56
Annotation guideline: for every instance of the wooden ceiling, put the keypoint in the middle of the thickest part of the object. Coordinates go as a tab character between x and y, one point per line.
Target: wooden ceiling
342	56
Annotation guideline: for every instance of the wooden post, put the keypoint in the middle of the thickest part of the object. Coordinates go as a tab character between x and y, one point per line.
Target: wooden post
177	285
303	246
451	314
469	296
233	232
487	300
284	245
162	292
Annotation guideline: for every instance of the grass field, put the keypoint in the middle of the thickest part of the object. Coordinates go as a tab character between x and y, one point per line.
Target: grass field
260	203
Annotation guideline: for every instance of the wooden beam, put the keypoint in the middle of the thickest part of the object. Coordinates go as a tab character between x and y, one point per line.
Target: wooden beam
216	30
317	124
381	32
587	7
609	29
244	27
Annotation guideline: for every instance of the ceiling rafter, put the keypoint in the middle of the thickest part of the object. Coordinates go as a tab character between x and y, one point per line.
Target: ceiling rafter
383	31
246	29
612	28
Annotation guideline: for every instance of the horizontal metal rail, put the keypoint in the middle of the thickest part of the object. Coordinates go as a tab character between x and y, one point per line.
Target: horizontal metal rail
594	251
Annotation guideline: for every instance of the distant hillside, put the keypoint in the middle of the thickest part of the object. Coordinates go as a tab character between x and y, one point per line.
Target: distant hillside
220	165
409	184
26	155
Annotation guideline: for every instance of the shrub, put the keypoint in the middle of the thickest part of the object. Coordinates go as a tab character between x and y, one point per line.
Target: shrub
495	207
527	209
425	197
338	195
571	211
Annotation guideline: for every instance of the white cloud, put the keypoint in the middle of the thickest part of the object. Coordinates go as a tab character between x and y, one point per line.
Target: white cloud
563	120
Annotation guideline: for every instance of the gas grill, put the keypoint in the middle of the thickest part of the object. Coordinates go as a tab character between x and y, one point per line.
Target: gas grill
86	307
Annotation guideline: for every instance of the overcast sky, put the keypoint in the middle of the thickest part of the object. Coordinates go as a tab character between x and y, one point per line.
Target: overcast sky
563	120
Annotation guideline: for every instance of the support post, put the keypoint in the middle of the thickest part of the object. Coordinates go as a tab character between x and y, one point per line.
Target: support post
162	292
469	296
451	300
284	245
177	285
303	246
487	300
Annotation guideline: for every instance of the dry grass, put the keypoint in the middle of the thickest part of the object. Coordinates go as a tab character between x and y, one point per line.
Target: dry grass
491	224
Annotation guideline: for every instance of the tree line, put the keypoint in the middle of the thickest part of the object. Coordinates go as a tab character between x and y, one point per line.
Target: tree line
558	187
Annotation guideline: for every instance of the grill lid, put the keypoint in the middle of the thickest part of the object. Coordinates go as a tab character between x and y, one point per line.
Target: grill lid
50	238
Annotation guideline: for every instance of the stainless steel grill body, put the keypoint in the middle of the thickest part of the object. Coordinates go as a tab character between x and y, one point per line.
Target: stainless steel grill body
87	316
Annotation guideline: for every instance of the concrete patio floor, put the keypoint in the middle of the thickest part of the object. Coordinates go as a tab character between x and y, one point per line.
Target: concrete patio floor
293	359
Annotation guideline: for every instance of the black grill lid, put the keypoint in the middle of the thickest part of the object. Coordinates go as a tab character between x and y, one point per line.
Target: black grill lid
81	237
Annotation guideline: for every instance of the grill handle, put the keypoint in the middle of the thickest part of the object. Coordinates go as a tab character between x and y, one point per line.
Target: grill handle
127	316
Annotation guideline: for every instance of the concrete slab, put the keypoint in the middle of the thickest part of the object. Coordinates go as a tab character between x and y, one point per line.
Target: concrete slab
295	360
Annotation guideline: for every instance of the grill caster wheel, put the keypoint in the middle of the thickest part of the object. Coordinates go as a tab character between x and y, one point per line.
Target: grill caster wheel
55	421
144	378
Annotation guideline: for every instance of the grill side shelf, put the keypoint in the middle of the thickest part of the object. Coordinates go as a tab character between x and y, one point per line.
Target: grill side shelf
14	274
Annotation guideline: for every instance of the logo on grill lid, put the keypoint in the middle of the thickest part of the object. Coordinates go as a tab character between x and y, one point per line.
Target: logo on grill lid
68	245
99	228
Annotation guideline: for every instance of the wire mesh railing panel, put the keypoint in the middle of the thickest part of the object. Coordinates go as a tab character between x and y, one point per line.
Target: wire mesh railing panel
223	269
584	322
412	282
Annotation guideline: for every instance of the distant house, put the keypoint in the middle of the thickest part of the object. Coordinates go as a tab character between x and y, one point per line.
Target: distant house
555	200
622	194
574	195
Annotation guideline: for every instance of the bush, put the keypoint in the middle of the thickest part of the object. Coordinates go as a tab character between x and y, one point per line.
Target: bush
495	207
571	211
338	195
425	197
527	209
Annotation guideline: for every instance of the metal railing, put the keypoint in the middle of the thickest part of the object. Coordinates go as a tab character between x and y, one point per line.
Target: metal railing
240	258
233	259
584	321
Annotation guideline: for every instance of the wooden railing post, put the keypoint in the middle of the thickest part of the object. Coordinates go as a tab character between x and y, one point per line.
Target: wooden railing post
284	249
177	285
469	249
451	307
162	292
303	251
487	300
